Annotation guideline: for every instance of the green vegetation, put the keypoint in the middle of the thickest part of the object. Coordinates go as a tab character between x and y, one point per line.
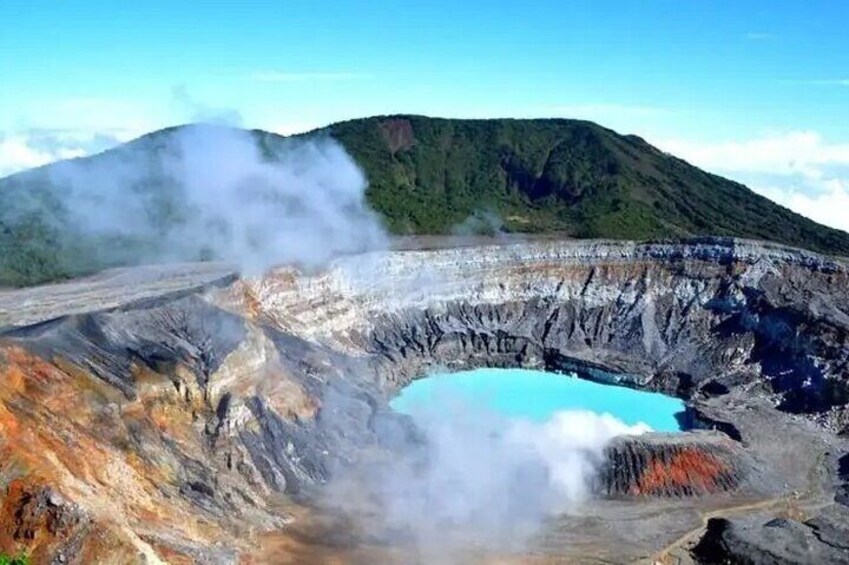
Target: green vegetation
427	175
430	175
19	559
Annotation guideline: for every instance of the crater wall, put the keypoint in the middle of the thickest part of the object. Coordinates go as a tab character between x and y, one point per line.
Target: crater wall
668	317
177	412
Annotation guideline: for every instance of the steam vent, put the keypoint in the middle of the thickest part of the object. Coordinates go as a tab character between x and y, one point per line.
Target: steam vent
184	414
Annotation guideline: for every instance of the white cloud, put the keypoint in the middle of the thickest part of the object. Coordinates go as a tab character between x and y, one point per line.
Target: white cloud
792	152
798	169
44	130
25	149
829	207
17	152
293	128
47	130
281	76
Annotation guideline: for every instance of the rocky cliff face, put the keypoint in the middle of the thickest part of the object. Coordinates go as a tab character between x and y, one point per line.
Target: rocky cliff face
177	414
663	316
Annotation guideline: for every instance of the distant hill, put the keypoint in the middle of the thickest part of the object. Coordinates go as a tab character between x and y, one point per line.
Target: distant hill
430	176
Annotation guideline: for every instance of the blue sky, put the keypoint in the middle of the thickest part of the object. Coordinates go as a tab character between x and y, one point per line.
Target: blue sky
756	90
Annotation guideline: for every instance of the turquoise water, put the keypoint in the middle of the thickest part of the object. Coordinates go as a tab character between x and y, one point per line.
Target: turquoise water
536	396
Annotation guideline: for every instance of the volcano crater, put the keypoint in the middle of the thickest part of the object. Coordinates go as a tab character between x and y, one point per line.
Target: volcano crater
242	400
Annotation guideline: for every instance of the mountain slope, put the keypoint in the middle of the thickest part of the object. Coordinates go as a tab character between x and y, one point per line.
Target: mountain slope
426	175
540	175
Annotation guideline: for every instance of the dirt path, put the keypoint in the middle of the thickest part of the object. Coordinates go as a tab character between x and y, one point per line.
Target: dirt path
671	554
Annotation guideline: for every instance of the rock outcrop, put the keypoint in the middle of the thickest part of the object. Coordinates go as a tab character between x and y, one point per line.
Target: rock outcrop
674	465
776	541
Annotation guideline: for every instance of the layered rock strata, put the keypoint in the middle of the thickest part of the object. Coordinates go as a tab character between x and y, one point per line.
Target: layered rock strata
176	413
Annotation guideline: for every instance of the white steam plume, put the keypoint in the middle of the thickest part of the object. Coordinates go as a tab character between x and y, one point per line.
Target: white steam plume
481	479
210	192
480	222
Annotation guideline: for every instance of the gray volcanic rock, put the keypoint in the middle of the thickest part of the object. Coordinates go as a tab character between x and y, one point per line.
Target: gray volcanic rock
235	393
115	288
777	541
663	316
842	496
